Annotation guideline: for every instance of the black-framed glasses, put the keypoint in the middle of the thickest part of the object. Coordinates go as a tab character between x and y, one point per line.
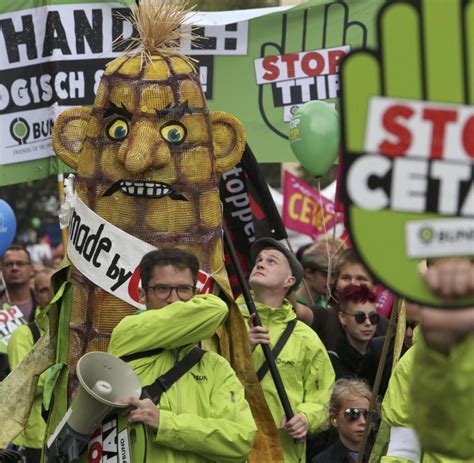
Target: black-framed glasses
184	292
360	317
18	263
353	414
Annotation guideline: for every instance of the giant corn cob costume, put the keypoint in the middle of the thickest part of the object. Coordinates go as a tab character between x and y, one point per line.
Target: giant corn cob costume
148	157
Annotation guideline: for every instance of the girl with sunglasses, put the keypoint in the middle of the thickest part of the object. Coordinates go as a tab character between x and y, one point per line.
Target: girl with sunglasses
348	410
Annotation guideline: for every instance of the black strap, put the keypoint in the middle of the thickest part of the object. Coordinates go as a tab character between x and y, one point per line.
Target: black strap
262	371
139	355
165	381
34	331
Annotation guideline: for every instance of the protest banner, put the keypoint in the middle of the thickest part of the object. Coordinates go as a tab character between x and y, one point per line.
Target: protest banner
258	64
11	317
110	257
409	147
305	210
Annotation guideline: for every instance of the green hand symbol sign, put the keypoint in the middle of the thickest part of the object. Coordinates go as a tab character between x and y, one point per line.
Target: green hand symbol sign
408	116
291	77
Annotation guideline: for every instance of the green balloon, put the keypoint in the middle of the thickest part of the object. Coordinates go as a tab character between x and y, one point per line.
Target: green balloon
314	136
36	223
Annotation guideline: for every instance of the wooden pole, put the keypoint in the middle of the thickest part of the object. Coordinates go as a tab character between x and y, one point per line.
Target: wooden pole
378	377
61	200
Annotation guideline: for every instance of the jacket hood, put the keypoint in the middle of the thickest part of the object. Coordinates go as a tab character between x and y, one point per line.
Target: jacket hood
282	314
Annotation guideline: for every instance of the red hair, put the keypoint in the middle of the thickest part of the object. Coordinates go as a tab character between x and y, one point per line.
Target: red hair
359	294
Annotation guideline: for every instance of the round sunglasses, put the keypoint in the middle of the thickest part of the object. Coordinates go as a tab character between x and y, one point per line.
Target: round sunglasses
360	317
353	414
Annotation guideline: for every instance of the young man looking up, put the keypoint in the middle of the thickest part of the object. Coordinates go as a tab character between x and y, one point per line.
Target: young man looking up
203	416
303	363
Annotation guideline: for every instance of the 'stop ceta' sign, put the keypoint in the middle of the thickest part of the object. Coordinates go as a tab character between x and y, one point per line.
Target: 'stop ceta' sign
409	147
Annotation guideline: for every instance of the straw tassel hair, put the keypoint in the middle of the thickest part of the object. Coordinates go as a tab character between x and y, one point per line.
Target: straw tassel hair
159	25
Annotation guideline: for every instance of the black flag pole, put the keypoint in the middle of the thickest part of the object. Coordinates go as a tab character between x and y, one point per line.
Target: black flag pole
253	311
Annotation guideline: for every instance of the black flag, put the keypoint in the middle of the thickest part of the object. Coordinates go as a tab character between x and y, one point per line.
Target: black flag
249	212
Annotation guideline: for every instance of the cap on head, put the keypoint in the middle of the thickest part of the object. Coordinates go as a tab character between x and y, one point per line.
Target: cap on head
295	266
315	261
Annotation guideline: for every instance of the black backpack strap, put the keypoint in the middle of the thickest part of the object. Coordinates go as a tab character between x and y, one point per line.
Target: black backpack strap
34	331
165	381
139	355
262	371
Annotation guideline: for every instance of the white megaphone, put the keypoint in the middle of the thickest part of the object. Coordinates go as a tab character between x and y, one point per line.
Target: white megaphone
104	380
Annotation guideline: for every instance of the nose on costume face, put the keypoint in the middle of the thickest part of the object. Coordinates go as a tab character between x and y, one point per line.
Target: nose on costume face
144	149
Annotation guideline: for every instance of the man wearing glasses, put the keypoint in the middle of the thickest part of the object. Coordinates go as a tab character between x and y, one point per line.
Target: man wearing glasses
30	441
358	317
203	415
17	273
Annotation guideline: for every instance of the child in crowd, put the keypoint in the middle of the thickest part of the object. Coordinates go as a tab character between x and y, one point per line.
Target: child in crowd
348	410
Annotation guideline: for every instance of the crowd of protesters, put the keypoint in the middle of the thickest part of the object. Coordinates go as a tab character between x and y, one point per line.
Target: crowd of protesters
318	313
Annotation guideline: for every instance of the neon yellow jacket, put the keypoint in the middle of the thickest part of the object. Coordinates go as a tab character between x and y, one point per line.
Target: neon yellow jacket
306	372
443	400
396	411
204	415
18	347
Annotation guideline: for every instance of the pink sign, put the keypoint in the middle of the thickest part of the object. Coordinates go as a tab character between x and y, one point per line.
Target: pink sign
305	210
384	300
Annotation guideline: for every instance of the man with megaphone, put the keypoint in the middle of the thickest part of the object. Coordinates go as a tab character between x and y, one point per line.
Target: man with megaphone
193	406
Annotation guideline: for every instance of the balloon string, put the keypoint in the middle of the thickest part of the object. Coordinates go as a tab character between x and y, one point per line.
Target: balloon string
328	279
343	241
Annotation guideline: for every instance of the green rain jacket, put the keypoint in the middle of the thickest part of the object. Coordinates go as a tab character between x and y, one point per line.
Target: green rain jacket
204	416
18	347
305	369
443	400
396	411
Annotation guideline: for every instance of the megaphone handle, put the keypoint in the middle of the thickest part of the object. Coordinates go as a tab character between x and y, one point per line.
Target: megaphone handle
73	452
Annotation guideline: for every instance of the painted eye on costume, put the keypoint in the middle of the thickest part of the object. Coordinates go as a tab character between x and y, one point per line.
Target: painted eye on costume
117	130
173	132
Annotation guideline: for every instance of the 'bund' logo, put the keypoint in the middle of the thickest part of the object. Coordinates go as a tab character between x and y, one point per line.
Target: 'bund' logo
426	234
20	130
24	132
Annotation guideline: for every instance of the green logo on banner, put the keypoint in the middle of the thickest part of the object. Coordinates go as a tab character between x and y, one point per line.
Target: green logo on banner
408	126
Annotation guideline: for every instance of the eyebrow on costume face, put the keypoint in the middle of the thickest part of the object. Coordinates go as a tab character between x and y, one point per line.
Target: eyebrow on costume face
114	109
178	110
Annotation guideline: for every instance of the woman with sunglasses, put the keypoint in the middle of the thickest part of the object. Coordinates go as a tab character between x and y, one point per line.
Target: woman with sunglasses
358	317
348	409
